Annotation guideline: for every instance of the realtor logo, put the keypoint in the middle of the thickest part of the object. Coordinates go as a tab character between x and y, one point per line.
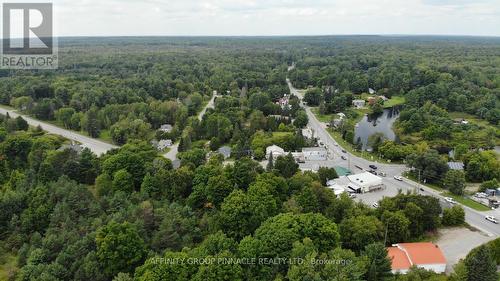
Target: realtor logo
27	33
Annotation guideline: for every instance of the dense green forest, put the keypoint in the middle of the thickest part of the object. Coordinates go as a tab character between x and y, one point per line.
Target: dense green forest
129	215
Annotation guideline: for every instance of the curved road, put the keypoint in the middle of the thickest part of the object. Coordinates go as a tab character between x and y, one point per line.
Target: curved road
174	149
473	217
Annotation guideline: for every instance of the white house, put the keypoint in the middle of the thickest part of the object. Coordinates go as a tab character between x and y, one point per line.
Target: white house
315	153
359	103
167	128
371	91
424	255
275	150
162	144
367	181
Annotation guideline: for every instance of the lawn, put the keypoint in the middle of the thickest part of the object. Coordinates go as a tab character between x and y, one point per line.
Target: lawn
396	100
325	118
467	202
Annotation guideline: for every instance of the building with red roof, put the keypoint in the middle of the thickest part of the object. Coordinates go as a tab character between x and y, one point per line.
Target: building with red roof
423	254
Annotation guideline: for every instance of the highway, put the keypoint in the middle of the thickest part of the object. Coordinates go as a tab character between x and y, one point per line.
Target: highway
472	217
95	145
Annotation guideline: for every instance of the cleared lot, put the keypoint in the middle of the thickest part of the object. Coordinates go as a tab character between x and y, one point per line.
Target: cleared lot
457	242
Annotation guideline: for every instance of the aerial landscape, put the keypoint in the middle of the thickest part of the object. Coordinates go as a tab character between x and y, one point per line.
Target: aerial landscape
260	154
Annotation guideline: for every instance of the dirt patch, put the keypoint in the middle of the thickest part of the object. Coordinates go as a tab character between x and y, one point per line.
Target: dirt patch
457	242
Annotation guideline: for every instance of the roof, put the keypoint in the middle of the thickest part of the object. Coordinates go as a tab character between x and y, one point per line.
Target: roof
358	100
456	165
274	148
322	149
225	150
398	258
405	255
365	179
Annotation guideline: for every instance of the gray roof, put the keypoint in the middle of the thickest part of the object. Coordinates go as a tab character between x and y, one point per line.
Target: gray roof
456	165
225	150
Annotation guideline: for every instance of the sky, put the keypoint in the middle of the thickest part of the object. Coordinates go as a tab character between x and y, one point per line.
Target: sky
274	17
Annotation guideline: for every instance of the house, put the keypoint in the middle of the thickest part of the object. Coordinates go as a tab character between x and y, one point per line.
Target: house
366	181
73	146
162	144
424	255
275	150
225	151
358	103
315	153
167	128
371	91
284	102
456	166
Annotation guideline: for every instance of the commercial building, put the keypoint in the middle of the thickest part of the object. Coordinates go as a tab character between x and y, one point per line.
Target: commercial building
424	255
366	181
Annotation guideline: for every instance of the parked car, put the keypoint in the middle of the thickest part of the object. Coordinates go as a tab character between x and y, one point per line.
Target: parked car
450	200
382	174
398	178
352	195
343	150
375	205
492	219
422	189
343	157
373	172
373	166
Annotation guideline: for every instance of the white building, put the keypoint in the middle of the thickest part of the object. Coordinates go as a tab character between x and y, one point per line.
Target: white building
162	144
315	153
359	103
275	150
367	181
167	128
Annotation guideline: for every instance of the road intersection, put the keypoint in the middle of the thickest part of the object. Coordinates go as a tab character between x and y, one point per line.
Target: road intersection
472	217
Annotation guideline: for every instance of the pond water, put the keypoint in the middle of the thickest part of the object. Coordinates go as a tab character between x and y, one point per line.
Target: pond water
370	125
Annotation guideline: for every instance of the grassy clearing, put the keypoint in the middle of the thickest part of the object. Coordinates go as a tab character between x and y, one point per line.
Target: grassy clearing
396	100
325	118
7	266
467	202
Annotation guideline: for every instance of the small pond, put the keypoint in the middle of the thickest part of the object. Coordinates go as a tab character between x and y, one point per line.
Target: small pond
370	125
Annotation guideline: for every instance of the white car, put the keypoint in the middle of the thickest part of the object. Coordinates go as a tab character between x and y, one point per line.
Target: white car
375	205
450	200
492	219
398	178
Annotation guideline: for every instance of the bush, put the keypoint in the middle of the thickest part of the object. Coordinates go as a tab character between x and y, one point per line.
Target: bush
454	216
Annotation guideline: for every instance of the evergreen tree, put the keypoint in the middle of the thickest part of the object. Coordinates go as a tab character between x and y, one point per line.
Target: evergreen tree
480	265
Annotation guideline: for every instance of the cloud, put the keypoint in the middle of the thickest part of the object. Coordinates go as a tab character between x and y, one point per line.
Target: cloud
276	17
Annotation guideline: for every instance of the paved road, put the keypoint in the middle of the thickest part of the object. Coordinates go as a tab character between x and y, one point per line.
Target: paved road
472	216
174	149
95	145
